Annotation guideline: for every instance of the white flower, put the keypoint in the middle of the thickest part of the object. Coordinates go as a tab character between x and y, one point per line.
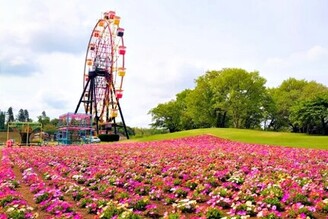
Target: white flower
10	209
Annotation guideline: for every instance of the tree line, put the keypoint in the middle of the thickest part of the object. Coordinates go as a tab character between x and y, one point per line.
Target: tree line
49	125
233	97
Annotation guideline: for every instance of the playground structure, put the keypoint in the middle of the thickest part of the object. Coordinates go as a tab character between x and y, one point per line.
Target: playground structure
26	130
74	128
103	75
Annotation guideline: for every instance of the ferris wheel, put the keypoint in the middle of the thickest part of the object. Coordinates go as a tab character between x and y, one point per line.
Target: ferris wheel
103	75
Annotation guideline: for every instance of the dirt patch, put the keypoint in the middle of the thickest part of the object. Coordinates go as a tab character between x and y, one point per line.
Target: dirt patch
27	195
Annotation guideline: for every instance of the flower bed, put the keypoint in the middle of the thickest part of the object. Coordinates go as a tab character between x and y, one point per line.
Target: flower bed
195	177
12	203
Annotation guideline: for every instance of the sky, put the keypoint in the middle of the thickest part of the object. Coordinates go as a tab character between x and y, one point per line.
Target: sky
170	43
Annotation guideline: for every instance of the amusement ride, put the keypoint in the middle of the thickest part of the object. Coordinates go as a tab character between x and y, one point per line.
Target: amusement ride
103	75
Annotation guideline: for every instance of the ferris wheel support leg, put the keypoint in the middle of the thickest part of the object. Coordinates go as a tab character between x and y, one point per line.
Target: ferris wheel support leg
124	126
84	89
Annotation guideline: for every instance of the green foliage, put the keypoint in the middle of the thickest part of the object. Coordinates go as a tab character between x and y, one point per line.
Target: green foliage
241	95
236	98
42	198
271	216
144	132
84	202
220	99
173	115
214	213
16	214
200	103
311	116
2	120
49	128
166	115
110	212
10	115
43	119
173	216
139	205
23	116
273	191
288	96
5	200
274	201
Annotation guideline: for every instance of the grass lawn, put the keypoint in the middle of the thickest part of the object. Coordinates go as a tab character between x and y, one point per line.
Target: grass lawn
252	136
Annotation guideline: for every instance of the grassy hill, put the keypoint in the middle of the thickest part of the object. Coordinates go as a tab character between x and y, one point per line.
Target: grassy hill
241	135
252	136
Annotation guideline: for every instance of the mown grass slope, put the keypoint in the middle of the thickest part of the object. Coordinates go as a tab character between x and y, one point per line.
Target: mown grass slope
252	136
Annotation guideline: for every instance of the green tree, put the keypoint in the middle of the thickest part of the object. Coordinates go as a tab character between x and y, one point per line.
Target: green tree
49	128
173	115
200	103
185	118
166	115
21	116
54	122
10	115
43	119
288	95
311	116
269	111
241	94
2	120
27	116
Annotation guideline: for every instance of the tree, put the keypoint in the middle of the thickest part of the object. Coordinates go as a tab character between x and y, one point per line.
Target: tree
166	115
241	94
270	112
49	128
27	116
2	120
10	115
185	118
43	119
21	116
173	115
54	122
220	99
289	94
200	103
311	116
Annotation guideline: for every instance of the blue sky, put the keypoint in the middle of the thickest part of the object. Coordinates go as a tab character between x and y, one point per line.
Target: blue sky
169	44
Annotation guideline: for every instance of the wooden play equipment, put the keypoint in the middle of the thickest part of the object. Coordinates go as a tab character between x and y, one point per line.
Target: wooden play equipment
25	130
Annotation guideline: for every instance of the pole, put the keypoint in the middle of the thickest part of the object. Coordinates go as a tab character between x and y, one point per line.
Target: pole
27	131
8	131
124	126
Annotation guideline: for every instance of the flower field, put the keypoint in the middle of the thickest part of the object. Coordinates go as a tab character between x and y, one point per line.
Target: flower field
193	177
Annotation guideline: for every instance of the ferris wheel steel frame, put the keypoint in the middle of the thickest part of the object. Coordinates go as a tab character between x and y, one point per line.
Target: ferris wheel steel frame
104	71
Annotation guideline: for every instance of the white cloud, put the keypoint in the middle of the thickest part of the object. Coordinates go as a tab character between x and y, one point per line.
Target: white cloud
316	52
307	64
